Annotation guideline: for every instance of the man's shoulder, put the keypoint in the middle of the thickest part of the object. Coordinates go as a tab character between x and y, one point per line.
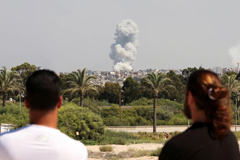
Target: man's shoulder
71	142
13	132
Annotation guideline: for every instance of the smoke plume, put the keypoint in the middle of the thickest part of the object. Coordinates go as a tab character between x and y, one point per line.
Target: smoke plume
234	52
124	50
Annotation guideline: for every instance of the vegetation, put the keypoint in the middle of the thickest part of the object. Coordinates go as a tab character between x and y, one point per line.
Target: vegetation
24	70
106	148
12	114
155	83
232	85
72	119
79	82
91	130
156	152
159	103
9	82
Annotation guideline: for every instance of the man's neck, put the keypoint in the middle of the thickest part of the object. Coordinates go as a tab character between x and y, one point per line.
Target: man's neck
48	119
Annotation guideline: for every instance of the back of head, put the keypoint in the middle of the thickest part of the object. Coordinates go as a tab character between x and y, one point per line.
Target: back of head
43	90
210	96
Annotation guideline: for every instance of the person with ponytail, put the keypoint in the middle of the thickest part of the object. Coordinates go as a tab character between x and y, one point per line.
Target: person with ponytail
209	138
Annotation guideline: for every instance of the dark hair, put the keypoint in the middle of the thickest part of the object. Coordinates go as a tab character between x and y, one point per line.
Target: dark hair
211	97
43	90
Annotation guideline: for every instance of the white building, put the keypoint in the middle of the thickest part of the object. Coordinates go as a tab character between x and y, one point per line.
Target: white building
40	68
218	71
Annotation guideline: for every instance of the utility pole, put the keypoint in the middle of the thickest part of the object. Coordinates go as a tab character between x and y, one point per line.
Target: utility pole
236	114
20	98
120	110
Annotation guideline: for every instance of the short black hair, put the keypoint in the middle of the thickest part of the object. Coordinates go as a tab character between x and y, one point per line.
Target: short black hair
43	90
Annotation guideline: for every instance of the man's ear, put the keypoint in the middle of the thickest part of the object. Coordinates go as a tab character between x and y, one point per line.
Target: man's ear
59	105
26	102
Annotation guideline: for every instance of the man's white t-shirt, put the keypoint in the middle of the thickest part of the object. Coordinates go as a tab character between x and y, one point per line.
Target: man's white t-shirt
36	142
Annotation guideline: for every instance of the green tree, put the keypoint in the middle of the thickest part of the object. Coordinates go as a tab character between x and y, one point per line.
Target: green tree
238	76
95	95
111	92
231	73
188	71
24	70
232	85
9	82
130	88
155	83
79	82
178	93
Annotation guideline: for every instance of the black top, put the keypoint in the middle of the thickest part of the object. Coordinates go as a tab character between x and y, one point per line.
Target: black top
198	143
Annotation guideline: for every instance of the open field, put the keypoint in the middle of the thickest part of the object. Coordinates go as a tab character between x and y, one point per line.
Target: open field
159	128
120	151
125	148
133	152
137	158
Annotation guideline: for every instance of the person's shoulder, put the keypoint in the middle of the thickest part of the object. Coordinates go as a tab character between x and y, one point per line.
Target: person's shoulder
68	141
174	141
177	142
172	146
231	137
13	132
72	146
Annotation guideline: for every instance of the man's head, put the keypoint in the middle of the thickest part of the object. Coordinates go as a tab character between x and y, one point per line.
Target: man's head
43	91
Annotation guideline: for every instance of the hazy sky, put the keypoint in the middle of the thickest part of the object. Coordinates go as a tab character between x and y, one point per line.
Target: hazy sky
64	35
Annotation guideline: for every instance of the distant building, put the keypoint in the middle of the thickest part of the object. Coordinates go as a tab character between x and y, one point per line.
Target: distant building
40	68
218	71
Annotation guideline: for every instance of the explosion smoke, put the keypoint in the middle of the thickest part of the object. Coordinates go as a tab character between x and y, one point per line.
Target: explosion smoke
234	52
124	50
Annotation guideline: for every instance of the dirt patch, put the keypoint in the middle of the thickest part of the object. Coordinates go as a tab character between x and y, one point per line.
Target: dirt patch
124	148
139	158
131	152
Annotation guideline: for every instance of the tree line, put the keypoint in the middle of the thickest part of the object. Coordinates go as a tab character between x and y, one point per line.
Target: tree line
80	85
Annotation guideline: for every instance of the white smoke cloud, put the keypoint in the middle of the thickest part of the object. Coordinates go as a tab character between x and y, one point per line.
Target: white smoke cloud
124	50
234	52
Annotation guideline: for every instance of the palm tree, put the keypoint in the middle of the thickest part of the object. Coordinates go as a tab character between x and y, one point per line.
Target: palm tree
231	84
155	83
9	82
79	82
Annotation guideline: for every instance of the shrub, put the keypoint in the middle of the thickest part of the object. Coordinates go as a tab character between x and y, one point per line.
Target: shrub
73	118
88	103
160	102
156	152
12	114
175	133
112	121
119	140
109	112
114	137
131	149
91	105
141	153
106	148
178	119
142	115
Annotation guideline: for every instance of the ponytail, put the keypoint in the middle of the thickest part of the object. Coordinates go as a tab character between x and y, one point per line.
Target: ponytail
219	113
211	97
